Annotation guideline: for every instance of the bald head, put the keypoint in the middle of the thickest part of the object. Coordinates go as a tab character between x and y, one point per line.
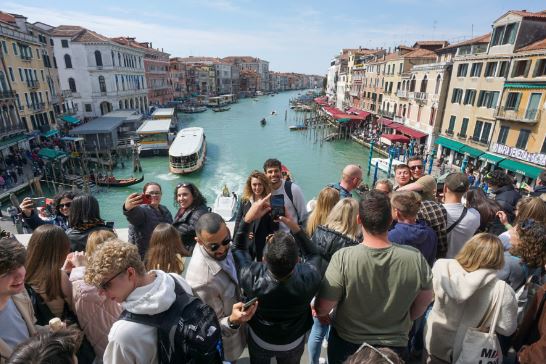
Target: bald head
351	177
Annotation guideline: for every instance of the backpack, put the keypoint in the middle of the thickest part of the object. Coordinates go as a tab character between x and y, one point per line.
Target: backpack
188	332
288	191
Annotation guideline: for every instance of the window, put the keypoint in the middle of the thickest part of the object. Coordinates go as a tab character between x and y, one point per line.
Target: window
488	99
14	48
503	134
424	82
477	130
540	68
5	47
469	97
51	43
476	70
512	101
98	58
521	68
503	69
462	70
88	108
437	86
67	61
497	36
543	149
510	33
485	132
451	123
457	96
523	138
102	84
490	69
464	127
37	53
11	74
72	85
64	43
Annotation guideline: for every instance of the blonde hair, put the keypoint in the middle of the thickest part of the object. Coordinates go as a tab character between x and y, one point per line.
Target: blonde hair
247	190
407	203
166	251
96	238
530	208
326	200
343	216
112	257
482	251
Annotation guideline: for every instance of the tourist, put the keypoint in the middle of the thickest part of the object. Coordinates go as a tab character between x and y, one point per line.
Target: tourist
378	288
13	214
294	201
422	183
17	321
402	175
284	286
488	209
340	230
540	186
526	208
530	339
350	179
408	230
48	347
62	202
96	313
166	251
434	215
192	205
47	251
326	200
117	270
84	218
367	354
502	186
462	222
464	289
213	277
385	186
256	187
143	216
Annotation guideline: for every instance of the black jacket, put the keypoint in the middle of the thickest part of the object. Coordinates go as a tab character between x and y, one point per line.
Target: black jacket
284	312
540	191
78	238
185	224
507	197
328	242
142	221
260	228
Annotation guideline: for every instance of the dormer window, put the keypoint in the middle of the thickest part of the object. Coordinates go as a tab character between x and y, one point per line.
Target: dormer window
505	34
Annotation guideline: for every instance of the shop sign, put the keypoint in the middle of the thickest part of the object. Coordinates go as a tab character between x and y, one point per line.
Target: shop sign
536	158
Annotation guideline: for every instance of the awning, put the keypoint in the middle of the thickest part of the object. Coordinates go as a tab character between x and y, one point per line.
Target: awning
12	141
358	112
49	133
412	133
332	110
450	144
526	85
347	116
385	122
70	119
491	158
395	138
49	153
521	168
473	152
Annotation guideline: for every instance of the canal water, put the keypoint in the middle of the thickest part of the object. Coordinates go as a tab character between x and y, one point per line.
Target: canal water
238	144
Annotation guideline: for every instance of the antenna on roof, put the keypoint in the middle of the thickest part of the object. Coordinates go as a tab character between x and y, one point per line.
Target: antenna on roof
472	33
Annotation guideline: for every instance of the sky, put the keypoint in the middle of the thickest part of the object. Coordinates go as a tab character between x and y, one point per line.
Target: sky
293	35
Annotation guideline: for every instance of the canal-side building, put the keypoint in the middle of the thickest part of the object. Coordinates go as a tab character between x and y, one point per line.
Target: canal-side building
177	78
22	57
257	65
373	82
97	74
156	70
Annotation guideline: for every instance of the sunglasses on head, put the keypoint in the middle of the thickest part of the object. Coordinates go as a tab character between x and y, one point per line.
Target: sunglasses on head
215	246
61	205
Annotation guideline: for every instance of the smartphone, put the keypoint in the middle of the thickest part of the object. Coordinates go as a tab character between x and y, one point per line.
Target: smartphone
146	199
277	206
249	303
109	224
39	201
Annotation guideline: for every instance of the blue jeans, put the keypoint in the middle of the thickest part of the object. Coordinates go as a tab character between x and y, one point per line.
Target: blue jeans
314	344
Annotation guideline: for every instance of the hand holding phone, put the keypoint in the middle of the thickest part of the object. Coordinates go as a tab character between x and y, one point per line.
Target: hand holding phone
277	206
249	303
39	201
146	199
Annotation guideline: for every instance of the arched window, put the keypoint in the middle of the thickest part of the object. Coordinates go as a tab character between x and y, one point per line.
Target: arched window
102	84
113	58
120	104
412	84
437	87
67	61
424	82
119	59
98	58
72	85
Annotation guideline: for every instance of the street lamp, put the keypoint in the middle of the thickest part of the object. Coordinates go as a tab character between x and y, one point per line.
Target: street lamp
372	142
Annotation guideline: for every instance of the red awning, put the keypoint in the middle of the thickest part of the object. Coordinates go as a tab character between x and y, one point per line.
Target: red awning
348	116
396	138
358	112
321	101
385	122
412	133
332	110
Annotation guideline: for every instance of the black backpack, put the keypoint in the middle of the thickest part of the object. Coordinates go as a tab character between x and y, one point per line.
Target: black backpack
197	335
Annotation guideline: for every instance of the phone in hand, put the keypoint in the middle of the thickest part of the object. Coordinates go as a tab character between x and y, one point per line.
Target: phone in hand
39	201
146	199
249	303
277	206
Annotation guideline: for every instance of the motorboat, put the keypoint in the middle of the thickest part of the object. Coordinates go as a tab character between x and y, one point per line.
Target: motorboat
263	122
297	127
383	164
221	108
225	204
192	109
188	150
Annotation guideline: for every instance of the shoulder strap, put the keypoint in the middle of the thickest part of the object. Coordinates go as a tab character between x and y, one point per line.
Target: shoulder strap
463	214
500	298
288	191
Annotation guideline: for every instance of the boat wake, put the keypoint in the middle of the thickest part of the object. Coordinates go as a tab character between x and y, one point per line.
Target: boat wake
167	176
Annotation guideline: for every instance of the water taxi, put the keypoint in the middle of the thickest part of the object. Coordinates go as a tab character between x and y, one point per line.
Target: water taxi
188	150
383	164
156	137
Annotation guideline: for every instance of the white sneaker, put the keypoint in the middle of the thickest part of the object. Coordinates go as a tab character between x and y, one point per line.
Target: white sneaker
325	344
322	361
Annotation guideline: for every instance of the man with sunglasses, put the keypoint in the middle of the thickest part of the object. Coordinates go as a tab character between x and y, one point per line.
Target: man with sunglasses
212	276
351	177
421	182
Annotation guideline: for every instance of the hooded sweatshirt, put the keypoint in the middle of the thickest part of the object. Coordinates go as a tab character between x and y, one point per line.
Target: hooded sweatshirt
131	342
419	236
462	299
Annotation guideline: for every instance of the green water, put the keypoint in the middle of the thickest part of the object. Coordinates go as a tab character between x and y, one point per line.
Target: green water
238	144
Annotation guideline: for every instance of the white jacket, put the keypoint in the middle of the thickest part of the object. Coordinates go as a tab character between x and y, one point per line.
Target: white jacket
462	299
130	342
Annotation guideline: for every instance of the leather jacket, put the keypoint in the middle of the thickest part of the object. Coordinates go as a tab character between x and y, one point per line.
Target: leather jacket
328	242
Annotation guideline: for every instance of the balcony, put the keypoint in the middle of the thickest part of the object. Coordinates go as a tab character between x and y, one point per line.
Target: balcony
66	93
387	114
403	94
26	58
449	132
530	116
478	141
7	94
36	107
33	84
461	136
420	96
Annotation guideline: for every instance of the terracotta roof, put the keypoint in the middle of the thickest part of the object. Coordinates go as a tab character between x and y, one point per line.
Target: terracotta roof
88	36
540	44
443	43
420	53
528	14
482	39
67	31
7	18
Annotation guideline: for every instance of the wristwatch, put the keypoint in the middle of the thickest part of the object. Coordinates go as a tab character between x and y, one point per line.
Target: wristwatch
232	325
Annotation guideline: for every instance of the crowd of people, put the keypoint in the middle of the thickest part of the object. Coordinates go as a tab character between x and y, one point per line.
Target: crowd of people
410	270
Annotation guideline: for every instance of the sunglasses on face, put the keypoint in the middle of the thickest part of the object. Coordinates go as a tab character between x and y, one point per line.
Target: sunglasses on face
63	205
106	285
415	167
215	246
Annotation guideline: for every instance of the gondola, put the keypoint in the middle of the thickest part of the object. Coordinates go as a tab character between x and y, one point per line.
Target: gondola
114	182
263	122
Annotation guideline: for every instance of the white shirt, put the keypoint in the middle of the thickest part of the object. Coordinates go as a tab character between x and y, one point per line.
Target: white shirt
464	230
299	204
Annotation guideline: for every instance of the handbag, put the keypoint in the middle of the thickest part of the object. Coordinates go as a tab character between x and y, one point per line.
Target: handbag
525	295
479	345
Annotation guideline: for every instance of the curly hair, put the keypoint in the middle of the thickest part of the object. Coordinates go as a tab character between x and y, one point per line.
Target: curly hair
532	243
247	191
498	178
198	198
112	257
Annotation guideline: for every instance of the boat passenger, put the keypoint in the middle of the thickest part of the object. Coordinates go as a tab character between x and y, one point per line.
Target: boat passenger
144	217
63	202
192	205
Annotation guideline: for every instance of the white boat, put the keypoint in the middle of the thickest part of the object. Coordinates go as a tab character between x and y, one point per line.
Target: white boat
225	204
383	164
188	150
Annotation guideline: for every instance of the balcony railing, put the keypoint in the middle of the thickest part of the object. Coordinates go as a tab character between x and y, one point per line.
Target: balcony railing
26	58
522	116
402	94
39	106
7	94
388	114
448	132
482	142
420	96
461	136
66	93
33	83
